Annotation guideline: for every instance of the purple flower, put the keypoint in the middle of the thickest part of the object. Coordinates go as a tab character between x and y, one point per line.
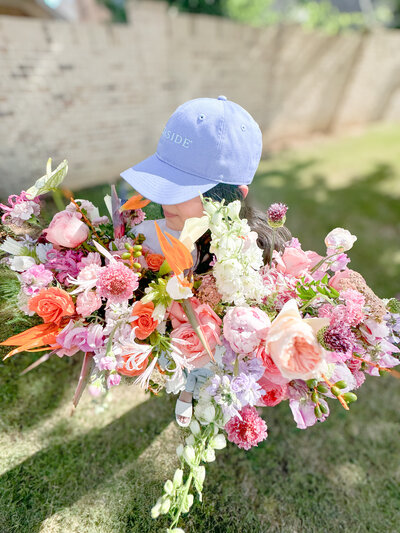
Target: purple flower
224	395
74	339
64	263
277	214
303	412
339	262
247	390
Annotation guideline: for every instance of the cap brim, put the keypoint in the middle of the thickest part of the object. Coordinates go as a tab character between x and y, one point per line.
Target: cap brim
164	184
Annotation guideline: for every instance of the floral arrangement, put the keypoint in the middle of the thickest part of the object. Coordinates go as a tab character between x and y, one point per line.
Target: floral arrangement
303	328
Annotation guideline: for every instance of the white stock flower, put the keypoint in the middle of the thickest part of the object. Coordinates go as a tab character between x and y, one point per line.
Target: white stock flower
340	239
12	247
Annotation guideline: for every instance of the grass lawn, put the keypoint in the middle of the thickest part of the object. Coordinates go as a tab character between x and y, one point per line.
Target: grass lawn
102	469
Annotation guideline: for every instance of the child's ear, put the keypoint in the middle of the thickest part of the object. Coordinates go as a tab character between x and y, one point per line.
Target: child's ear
244	190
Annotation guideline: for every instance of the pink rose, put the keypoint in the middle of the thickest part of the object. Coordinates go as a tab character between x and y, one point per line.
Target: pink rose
293	346
274	393
211	325
87	303
66	229
294	261
245	328
335	280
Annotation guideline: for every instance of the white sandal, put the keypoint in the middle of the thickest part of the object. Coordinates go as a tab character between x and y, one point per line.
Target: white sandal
184	409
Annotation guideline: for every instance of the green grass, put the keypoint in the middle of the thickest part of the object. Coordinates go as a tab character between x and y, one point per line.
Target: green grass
101	470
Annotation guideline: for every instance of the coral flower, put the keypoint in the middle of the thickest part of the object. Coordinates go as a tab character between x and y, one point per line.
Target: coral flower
144	321
117	282
52	304
128	369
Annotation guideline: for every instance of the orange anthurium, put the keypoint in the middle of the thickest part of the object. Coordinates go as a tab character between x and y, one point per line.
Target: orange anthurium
176	254
135	202
33	339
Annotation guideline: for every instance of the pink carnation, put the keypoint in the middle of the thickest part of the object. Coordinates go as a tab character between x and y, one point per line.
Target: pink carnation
245	328
248	430
36	278
117	282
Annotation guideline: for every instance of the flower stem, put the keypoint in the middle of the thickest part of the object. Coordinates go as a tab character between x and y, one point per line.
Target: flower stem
316	267
340	397
272	246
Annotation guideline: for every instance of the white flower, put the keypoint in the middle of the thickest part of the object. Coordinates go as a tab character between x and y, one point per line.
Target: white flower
41	251
218	442
193	229
176	290
340	239
11	246
159	312
176	383
20	263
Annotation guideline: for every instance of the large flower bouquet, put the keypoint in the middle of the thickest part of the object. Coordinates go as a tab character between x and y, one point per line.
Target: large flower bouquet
303	328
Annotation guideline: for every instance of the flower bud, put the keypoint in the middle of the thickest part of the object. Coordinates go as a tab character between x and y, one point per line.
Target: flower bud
200	474
137	265
137	254
209	455
317	411
179	450
178	477
194	427
322	388
349	397
168	487
341	384
311	383
190	440
155	511
189	501
314	397
166	504
126	255
218	442
137	247
335	390
189	454
127	246
324	408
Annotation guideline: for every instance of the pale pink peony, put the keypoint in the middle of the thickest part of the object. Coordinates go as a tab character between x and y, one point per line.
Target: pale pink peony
67	229
293	346
248	430
245	328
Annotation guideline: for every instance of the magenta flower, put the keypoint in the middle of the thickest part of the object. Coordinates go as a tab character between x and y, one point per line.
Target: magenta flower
20	209
117	282
277	215
74	339
248	430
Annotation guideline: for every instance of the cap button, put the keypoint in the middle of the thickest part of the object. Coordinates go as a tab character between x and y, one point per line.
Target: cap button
222	97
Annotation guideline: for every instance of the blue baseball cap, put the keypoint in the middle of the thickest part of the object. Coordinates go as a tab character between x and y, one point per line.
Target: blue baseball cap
206	141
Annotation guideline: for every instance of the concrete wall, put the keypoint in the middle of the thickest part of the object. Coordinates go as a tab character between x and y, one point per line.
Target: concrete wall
100	95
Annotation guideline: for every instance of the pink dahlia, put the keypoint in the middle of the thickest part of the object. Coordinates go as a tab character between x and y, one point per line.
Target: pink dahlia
117	282
247	432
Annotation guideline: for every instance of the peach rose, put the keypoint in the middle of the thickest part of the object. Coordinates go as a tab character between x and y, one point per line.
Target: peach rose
67	229
293	346
144	322
154	261
52	304
293	261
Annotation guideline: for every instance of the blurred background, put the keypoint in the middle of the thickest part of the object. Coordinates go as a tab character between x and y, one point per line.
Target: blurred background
94	82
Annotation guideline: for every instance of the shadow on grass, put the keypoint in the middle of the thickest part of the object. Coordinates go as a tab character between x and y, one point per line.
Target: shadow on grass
361	207
60	474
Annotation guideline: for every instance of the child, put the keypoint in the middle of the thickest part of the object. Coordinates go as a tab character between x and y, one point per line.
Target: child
210	146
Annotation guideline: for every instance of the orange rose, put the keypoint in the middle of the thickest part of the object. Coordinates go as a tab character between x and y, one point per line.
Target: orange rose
154	261
125	371
144	322
52	304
